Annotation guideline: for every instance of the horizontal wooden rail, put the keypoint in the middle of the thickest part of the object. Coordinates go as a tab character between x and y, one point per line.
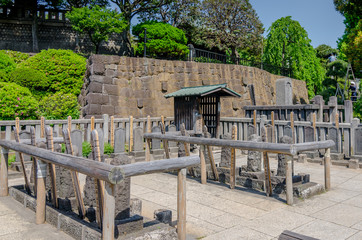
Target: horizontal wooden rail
291	149
55	140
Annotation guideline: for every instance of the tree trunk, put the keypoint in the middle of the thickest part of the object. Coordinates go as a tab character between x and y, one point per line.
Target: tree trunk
34	31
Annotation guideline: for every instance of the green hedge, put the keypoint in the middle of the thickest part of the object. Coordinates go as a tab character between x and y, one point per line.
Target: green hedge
7	65
59	106
17	101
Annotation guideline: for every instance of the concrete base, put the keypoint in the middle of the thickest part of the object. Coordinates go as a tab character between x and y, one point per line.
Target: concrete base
312	154
337	156
307	190
353	163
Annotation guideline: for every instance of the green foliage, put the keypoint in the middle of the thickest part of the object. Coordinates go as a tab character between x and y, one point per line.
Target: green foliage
30	78
163	40
63	148
63	68
7	65
16	101
18	57
59	106
337	68
108	149
99	23
357	109
288	46
11	159
86	149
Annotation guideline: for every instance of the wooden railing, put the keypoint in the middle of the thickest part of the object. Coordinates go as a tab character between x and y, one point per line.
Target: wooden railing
289	149
111	175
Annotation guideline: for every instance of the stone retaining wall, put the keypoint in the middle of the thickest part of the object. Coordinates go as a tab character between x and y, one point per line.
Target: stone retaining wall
124	86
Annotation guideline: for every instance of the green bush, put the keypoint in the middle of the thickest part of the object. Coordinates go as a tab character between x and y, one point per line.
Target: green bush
30	78
63	68
108	149
86	148
17	57
7	65
163	40
11	160
17	101
59	106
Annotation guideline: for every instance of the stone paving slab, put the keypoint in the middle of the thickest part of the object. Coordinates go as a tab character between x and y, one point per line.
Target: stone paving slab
216	212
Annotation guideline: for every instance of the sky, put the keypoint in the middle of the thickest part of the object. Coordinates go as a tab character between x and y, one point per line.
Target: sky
319	18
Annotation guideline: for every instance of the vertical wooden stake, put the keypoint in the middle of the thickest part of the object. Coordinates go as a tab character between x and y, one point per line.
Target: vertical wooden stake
148	141
327	169
41	193
27	188
130	133
273	126
211	155
187	147
165	142
92	123
42	127
163	120
17	123
4	185
337	120
33	143
74	175
70	123
268	186
233	158
292	125
112	131
109	208
203	164
254	118
99	183
181	204
53	176
289	183
314	125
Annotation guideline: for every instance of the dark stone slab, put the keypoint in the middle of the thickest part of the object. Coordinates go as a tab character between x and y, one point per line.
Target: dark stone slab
226	152
254	157
333	135
358	141
309	134
283	158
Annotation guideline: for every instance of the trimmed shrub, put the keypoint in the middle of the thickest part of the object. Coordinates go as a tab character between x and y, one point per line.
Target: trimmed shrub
17	57
30	78
17	101
163	40
108	149
63	68
7	65
59	106
86	149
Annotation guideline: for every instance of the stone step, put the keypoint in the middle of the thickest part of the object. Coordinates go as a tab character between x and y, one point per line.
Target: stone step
307	190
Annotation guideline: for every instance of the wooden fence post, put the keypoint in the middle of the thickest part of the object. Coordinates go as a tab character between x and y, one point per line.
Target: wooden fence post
181	204
41	193
92	123
53	178
148	141
203	164
273	126
42	127
289	183
108	212
4	190
233	158
33	143
130	133
267	175
327	169
165	142
254	119
292	125
314	126
27	188
211	156
70	123
163	120
17	123
105	128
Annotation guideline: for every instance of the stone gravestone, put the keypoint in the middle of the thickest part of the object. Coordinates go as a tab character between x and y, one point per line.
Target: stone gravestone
309	134
122	191
137	150
101	142
76	136
225	153
284	91
358	141
119	140
251	130
288	131
156	143
283	158
172	129
254	157
269	133
23	135
333	135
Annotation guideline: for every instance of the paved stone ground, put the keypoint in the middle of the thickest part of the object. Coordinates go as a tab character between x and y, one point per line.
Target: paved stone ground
216	212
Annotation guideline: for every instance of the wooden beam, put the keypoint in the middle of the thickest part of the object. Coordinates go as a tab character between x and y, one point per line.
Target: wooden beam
42	127
181	204
148	141
130	133
4	185
27	185
52	172
74	175
202	164
273	126
327	169
112	131
233	158
267	174
109	208
41	193
35	166
289	183
211	156
165	142
92	123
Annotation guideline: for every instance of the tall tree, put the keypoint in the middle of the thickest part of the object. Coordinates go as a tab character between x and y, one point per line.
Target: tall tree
130	8
231	24
288	45
99	23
